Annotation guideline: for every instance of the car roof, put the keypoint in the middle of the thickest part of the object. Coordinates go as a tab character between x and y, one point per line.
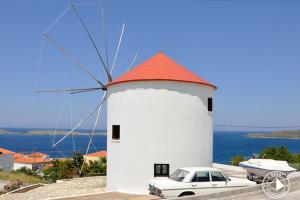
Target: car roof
193	169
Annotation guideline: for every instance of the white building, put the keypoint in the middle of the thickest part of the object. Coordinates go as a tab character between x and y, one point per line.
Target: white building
96	156
30	162
159	118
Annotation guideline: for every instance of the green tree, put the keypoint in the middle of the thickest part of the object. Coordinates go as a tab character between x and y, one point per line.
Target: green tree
77	162
296	158
237	159
268	153
281	153
95	168
66	169
60	170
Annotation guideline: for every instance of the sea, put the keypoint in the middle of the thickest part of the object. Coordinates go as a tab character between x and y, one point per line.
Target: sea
226	144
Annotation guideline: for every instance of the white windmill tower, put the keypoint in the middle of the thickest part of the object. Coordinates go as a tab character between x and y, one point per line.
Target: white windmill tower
159	118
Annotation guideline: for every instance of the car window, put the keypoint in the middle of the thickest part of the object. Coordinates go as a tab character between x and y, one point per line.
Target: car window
201	177
178	175
217	176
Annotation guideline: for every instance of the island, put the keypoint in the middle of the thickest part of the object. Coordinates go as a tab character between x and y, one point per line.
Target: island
295	134
3	131
49	132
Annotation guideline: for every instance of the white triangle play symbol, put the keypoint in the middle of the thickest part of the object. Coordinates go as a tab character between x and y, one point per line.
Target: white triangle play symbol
279	185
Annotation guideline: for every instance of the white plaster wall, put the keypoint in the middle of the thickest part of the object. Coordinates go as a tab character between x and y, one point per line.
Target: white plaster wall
164	122
20	165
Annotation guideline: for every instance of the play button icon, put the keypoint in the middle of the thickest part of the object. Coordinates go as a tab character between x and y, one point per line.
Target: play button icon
276	185
279	185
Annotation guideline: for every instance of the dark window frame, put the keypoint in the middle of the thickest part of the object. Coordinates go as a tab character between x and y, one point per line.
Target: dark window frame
116	132
210	104
161	173
220	173
209	178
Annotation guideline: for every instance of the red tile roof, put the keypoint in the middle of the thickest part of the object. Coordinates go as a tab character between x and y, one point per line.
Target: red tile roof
161	67
6	151
31	160
17	155
37	155
98	154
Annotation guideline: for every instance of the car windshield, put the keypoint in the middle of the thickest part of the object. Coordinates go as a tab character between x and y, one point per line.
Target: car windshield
178	175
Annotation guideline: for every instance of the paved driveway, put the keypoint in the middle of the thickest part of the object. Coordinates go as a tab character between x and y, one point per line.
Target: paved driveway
112	196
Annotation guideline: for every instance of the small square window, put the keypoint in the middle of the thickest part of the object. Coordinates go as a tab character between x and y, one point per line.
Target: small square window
161	170
115	132
210	104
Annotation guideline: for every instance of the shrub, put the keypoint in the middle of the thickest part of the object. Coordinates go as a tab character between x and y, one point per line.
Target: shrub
65	169
95	168
237	159
13	185
26	171
60	170
281	153
296	158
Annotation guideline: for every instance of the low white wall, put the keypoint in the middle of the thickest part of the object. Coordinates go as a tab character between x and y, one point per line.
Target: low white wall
20	165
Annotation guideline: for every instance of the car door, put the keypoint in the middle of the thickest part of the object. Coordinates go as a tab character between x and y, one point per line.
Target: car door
218	180
200	181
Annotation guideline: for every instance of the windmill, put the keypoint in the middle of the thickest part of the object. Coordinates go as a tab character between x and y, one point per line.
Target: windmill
103	61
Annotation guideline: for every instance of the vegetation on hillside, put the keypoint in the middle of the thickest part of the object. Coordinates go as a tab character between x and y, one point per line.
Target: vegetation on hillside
235	160
60	169
275	153
71	168
95	168
14	176
26	171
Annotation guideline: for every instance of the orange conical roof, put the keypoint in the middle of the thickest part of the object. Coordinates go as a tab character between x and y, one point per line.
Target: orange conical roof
160	67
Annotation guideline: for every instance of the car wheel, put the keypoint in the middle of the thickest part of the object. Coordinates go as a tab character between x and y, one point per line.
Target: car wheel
250	177
186	194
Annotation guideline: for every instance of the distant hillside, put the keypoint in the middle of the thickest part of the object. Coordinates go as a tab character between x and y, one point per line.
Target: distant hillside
3	131
58	132
46	132
277	134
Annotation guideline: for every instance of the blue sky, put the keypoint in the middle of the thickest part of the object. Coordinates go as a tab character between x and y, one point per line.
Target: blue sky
249	49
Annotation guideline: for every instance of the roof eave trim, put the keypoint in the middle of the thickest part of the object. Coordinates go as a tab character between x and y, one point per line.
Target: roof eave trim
126	81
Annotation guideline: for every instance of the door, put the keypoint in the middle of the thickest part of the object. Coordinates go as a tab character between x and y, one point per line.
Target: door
218	180
200	181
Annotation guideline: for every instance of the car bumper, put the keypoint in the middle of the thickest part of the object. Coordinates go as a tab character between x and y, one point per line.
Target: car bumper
151	192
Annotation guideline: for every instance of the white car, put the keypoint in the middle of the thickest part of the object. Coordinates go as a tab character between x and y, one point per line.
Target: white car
192	181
